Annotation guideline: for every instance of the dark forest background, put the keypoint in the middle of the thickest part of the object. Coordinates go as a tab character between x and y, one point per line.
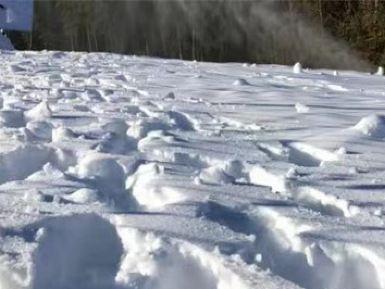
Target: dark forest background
333	34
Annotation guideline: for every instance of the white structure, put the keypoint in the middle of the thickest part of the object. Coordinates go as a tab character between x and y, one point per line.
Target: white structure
380	71
297	68
5	43
16	15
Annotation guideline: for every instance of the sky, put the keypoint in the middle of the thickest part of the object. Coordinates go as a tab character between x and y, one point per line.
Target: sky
16	15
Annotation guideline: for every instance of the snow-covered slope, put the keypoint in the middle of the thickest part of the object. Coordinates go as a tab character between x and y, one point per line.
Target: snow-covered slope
126	172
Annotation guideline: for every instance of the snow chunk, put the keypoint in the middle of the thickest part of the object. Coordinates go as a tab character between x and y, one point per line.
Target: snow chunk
260	176
48	171
101	167
215	175
14	68
240	82
169	96
234	168
380	71
40	129
61	133
83	196
301	108
297	68
146	189
142	127
152	262
372	125
305	154
330	203
42	111
117	126
11	118
222	172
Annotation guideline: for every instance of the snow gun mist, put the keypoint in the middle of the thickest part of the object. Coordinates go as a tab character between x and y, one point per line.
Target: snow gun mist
219	31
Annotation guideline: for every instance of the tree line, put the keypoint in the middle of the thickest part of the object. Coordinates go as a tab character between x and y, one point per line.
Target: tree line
333	34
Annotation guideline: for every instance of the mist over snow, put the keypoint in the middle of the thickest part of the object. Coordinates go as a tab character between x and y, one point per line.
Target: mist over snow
221	31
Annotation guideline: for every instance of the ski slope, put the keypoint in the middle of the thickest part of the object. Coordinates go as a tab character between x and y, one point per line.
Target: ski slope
130	172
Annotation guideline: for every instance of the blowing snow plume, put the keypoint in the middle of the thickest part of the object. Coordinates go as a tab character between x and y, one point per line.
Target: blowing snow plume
288	38
220	30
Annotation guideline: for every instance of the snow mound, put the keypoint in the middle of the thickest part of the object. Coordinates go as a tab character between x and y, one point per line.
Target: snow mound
81	251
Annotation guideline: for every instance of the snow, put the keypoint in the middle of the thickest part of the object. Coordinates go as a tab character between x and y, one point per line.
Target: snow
128	172
372	125
40	112
380	71
301	108
297	68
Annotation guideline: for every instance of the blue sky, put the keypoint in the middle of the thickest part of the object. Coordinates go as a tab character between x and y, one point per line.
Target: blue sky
17	15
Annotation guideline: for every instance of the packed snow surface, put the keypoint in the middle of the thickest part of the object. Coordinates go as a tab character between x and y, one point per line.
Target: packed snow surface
120	172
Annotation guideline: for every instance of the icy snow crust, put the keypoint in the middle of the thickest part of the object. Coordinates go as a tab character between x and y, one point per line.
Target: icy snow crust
124	172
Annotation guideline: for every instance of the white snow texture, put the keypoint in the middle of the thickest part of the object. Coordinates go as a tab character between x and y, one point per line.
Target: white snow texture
122	172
